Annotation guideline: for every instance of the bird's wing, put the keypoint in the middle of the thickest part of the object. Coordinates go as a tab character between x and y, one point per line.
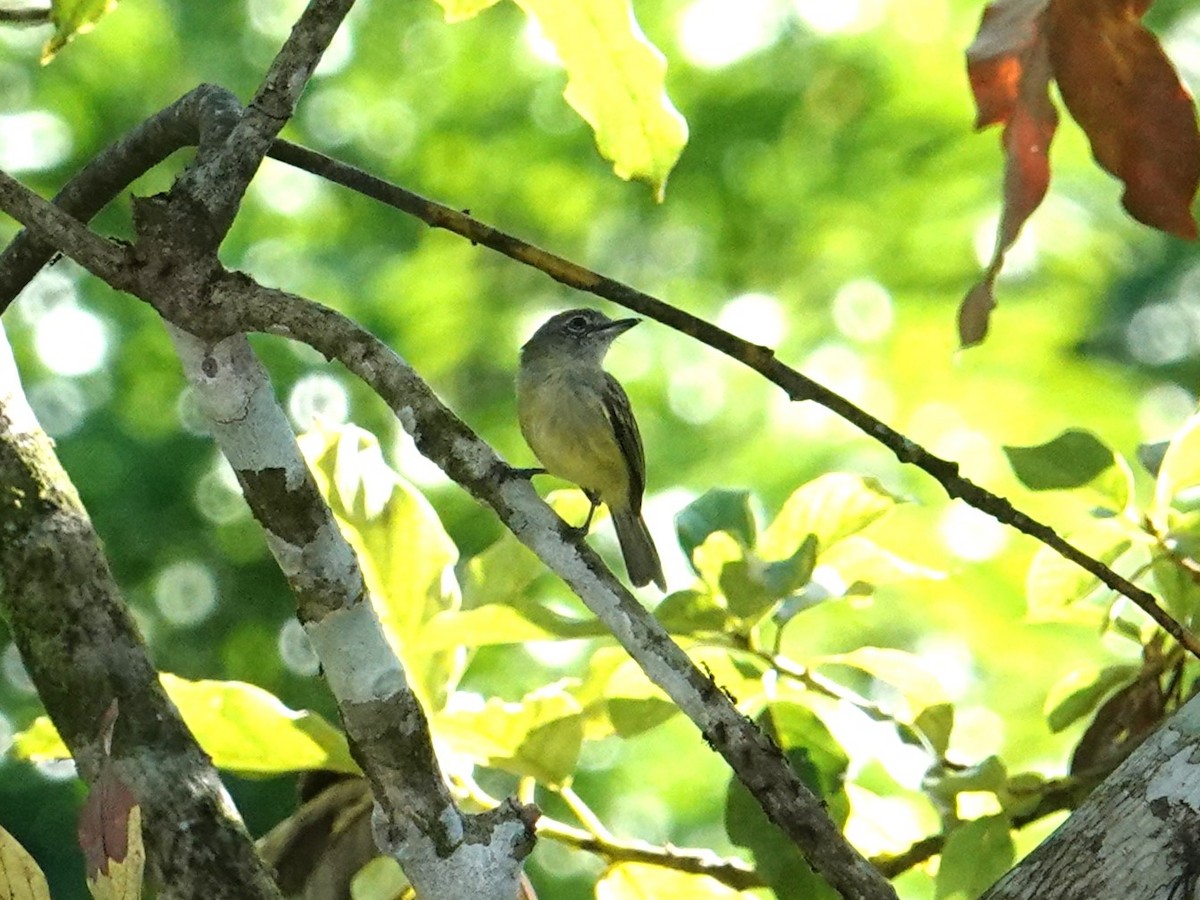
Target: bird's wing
624	426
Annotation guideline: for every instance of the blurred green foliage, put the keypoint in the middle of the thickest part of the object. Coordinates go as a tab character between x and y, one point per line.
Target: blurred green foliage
830	203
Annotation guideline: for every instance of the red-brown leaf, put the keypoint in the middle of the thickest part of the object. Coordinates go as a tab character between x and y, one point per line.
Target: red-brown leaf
104	822
1121	88
1012	86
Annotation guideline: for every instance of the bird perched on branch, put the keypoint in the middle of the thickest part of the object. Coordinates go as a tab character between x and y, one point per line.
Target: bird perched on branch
577	420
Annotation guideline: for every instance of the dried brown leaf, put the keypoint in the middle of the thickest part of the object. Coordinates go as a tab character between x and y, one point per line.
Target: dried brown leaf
1141	121
1009	68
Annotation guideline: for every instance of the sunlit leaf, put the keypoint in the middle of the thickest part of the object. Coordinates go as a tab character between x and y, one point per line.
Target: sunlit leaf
864	564
20	877
460	10
976	854
1180	470
242	727
716	510
380	879
539	736
405	553
640	881
497	624
831	507
906	672
1055	587
72	17
1081	691
616	82
619	698
987	775
1179	584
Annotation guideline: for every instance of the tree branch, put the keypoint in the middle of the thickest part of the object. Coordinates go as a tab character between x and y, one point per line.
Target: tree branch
83	650
33	15
760	359
231	303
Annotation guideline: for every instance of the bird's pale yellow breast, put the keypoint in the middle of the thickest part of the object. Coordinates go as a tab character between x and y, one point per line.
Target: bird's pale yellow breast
562	416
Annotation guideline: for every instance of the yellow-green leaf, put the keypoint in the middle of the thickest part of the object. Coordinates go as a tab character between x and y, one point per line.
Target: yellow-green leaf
242	727
72	17
831	507
406	556
1055	586
20	877
1180	470
639	881
615	81
459	10
539	736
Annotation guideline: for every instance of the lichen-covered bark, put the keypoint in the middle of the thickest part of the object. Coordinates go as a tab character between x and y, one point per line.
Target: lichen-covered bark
83	651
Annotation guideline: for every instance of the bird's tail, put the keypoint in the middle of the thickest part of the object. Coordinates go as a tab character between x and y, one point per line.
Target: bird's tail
641	559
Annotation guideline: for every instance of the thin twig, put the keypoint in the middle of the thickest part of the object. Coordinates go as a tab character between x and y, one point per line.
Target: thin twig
760	359
28	16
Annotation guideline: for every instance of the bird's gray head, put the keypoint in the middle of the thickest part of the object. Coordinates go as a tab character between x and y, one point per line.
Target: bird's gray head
581	335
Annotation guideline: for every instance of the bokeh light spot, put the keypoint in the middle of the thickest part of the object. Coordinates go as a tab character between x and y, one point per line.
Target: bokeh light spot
318	396
862	310
971	534
296	650
716	33
14	671
1160	334
1162	409
33	141
59	404
71	341
754	317
185	593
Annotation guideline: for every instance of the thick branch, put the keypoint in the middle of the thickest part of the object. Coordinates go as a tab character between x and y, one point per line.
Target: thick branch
82	651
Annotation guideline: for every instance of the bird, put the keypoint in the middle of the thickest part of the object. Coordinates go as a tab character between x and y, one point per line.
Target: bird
578	421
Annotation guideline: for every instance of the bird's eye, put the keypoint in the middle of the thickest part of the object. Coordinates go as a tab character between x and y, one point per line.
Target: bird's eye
578	324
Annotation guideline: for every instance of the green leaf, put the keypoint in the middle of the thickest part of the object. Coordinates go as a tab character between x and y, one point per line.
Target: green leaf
821	763
936	724
1180	470
1178	587
405	554
497	624
904	671
717	510
986	775
380	879
540	736
1055	586
639	881
72	17
616	82
242	727
460	10
1071	460
1081	692
976	854
830	508
691	612
864	565
618	698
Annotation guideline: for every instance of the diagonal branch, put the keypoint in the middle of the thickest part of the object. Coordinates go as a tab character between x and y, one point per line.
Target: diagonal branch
234	303
760	359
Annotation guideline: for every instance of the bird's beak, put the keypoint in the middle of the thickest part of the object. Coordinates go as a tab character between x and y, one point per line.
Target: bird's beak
620	326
